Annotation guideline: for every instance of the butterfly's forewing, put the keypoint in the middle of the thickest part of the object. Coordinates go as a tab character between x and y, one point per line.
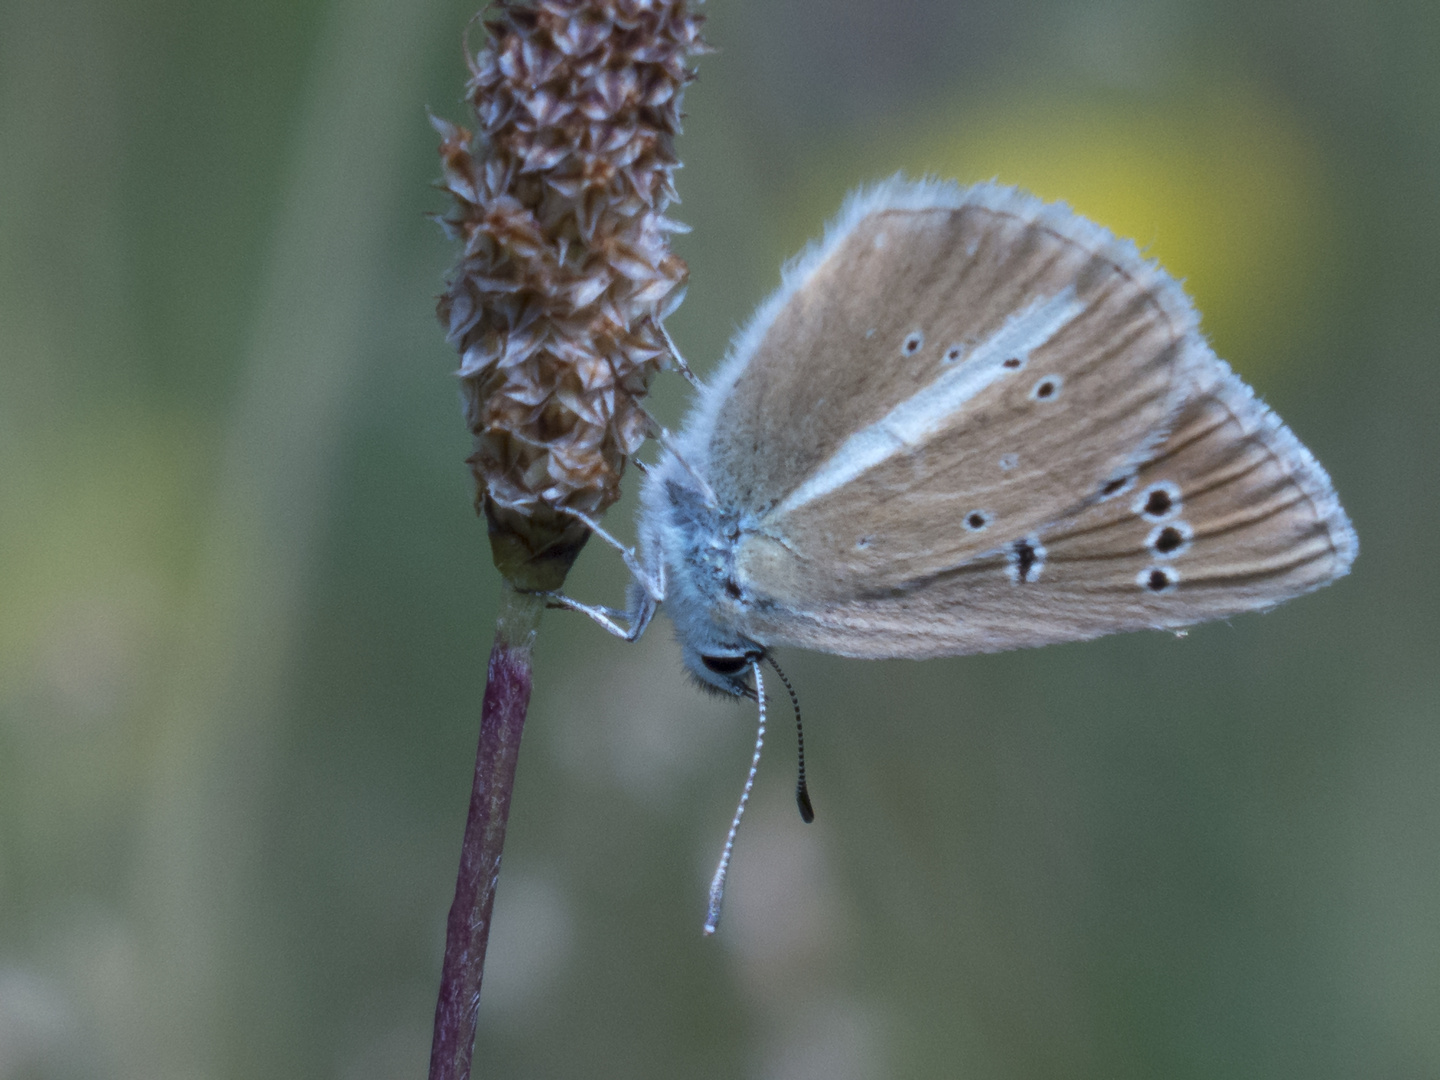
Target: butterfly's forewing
1229	514
955	372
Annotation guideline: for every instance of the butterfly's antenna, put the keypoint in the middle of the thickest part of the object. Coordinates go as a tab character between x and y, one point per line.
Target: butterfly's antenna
717	883
802	791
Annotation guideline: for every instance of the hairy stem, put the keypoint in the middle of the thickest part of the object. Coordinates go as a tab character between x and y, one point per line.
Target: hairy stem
502	720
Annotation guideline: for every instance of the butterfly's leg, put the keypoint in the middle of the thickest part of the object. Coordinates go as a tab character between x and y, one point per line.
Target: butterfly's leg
680	363
632	562
610	618
662	436
645	594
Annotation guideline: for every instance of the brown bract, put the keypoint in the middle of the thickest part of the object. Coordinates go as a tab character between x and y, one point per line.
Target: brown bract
565	273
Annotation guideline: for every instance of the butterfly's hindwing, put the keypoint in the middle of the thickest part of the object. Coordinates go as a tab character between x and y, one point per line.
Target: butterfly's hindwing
1229	514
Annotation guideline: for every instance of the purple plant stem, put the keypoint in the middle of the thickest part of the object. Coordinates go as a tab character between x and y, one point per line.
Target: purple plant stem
502	720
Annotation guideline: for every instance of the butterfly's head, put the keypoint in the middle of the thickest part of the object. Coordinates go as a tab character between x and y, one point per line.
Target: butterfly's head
691	541
717	656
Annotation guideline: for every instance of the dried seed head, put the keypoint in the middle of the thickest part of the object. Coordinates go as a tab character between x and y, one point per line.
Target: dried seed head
565	273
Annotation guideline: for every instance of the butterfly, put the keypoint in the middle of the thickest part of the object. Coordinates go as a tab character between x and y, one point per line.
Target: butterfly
967	421
970	421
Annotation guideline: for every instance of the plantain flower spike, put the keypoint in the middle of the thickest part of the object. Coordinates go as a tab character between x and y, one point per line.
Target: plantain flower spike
565	273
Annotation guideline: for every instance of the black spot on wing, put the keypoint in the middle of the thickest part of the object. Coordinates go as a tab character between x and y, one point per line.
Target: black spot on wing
1026	559
1169	540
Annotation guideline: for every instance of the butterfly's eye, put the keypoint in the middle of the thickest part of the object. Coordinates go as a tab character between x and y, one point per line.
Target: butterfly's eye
725	665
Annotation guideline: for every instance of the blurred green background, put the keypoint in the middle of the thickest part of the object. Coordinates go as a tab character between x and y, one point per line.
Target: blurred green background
245	606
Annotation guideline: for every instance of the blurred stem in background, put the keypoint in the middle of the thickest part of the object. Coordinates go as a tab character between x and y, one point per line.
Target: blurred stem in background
556	307
201	852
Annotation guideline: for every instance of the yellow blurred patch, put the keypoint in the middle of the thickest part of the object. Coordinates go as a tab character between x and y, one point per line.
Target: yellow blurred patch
1223	188
98	527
